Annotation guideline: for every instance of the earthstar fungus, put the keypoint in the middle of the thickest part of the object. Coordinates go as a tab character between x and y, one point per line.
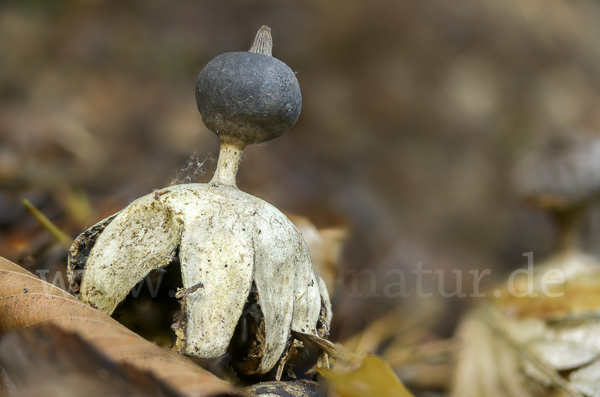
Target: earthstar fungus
237	252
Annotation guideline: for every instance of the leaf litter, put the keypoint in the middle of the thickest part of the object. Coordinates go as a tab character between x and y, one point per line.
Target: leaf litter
26	300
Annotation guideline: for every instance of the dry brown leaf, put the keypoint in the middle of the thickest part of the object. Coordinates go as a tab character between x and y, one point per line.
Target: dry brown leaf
535	345
26	300
369	377
355	374
581	289
46	361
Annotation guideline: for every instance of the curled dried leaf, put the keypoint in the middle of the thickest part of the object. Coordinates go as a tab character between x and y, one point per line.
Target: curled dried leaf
26	300
47	361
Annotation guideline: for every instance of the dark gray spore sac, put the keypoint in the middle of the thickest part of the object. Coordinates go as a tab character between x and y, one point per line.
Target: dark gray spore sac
248	96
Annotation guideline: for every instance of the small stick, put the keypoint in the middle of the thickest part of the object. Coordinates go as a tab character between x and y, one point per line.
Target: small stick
185	291
64	239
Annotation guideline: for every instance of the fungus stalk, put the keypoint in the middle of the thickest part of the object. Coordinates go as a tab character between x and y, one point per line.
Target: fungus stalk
230	156
568	222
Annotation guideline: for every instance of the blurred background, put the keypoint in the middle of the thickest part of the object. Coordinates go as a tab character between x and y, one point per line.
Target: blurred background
415	114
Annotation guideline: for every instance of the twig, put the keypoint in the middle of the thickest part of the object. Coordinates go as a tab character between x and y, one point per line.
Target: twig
64	239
